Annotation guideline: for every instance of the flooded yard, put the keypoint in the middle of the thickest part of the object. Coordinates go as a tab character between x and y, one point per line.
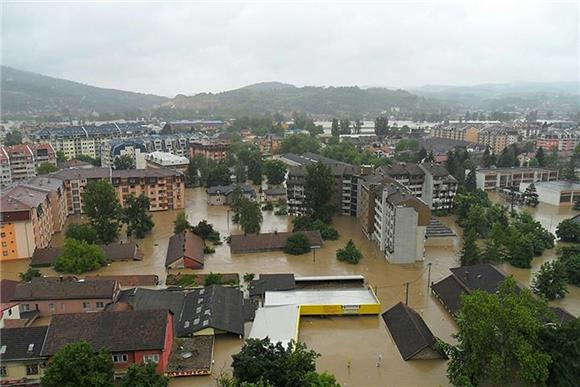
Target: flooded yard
357	341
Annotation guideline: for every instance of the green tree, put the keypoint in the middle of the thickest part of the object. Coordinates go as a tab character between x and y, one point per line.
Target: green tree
241	174
562	343
180	224
263	361
76	365
206	231
300	144
541	157
357	127
349	253
255	168
218	174
521	251
571	259
324	379
213	279
136	216
334	128
78	257
143	375
318	191
101	206
29	274
381	126
470	254
305	223
275	171
551	281
123	162
297	244
568	231
488	159
344	125
60	156
249	216
82	232
46	168
470	183
498	339
13	137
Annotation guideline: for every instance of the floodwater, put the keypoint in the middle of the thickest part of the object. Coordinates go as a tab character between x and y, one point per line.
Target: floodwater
358	341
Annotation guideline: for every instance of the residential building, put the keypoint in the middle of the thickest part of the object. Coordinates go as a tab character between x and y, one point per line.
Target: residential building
489	179
164	187
210	149
451	132
132	337
221	195
439	187
275	194
562	140
409	175
166	160
400	222
497	138
53	296
191	125
185	250
112	149
19	162
556	193
411	334
21	360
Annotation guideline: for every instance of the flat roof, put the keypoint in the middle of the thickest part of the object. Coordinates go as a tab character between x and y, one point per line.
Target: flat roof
356	277
321	297
560	185
279	323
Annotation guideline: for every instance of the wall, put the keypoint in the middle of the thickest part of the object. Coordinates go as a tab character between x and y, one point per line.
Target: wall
70	306
17	371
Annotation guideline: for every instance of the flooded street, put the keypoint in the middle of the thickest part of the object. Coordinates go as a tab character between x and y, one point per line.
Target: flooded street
340	340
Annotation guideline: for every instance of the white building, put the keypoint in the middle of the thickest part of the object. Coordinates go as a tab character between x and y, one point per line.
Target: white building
556	193
166	160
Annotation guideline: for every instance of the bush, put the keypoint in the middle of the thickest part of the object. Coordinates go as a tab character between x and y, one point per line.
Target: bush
78	257
249	277
268	207
297	244
305	223
208	249
569	231
349	253
212	279
82	232
571	259
29	274
281	211
206	232
551	280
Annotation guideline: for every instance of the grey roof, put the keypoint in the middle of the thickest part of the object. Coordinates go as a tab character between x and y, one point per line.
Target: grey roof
400	169
449	292
105	173
22	343
436	170
228	189
272	282
576	218
269	241
113	252
274	191
116	331
409	331
44	289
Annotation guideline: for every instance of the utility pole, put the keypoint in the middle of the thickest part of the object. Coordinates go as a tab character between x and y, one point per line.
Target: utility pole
406	293
429	279
314	255
228	221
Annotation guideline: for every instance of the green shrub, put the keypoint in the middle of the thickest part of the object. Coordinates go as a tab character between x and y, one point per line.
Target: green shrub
349	253
297	244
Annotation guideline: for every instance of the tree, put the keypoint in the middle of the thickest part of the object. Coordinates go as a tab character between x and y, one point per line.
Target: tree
241	174
60	156
180	224
521	251
82	232
78	257
562	343
46	168
324	379
334	128
101	206
206	231
249	216
498	339
255	168
29	274
530	196
13	138
143	375
344	125
541	157
318	191
381	126
357	126
213	279
470	254
263	361
218	174
300	144
571	259
305	223
136	216
76	364
123	162
470	183
297	244
551	281
349	253
569	172
275	171
568	231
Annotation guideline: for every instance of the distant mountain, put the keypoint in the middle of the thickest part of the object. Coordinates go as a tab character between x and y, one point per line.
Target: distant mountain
558	96
29	94
271	97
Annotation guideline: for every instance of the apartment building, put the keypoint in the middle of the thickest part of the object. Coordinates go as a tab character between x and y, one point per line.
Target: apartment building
112	149
190	125
400	223
86	139
164	187
427	181
210	149
344	189
166	160
497	138
562	140
489	179
452	132
19	162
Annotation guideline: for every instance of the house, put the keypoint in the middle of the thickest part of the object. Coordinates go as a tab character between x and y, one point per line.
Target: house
410	333
185	250
275	194
271	282
128	280
21	361
222	194
114	252
132	337
253	243
59	296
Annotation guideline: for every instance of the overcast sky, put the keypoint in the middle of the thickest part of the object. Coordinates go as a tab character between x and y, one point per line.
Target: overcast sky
194	47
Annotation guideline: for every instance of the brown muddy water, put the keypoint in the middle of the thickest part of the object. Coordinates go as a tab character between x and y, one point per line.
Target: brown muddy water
340	340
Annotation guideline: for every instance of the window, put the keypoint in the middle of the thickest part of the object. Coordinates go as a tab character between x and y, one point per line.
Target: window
62	306
3	371
32	369
100	304
86	305
5	253
120	358
51	308
25	307
151	359
4	244
3	234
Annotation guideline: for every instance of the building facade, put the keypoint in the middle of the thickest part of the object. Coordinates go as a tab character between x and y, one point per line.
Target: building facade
19	162
490	179
465	133
166	160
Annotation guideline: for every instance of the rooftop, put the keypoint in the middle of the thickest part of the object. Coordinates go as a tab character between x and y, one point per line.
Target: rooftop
113	252
270	282
185	244
278	323
269	241
321	297
44	289
21	343
166	159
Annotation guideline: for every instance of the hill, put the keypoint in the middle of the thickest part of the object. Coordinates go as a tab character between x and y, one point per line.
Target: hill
26	94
